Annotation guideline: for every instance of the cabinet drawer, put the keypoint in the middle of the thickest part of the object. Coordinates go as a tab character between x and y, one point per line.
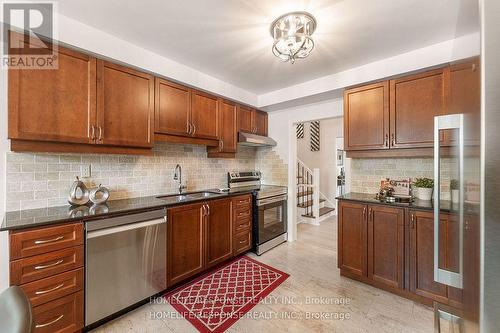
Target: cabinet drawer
37	241
62	315
44	265
243	214
243	201
240	226
242	242
54	287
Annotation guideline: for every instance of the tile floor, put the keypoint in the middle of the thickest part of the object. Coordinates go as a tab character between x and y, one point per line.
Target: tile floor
314	277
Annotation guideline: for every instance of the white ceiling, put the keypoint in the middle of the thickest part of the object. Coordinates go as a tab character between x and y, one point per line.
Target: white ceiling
229	39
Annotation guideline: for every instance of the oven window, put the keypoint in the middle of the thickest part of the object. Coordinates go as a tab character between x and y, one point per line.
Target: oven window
272	221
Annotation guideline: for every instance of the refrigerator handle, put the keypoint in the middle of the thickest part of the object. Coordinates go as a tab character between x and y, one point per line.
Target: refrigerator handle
453	321
454	121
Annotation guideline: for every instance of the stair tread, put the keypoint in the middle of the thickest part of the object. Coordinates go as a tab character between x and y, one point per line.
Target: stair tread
308	203
322	211
304	193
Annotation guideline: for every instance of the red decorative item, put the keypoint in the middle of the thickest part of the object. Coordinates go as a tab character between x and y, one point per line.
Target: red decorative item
216	300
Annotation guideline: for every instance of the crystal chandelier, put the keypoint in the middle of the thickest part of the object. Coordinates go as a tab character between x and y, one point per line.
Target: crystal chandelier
292	36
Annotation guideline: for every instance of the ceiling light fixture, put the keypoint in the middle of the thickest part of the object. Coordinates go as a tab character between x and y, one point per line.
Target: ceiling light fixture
292	36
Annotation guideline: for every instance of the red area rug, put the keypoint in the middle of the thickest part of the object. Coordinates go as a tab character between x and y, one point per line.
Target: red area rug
216	300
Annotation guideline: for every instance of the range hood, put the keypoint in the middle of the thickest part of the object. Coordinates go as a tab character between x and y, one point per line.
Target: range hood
254	140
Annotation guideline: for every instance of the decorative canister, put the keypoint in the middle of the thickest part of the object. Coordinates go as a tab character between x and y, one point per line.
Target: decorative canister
99	195
78	194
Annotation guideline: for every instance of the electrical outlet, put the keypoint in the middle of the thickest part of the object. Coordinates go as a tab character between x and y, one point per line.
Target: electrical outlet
86	171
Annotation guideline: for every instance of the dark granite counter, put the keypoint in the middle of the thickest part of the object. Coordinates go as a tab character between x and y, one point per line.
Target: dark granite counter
446	206
53	215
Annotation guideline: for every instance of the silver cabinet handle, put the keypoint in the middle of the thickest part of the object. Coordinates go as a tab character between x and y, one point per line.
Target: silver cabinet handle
208	209
49	265
50	322
41	292
92	133
188	129
243	241
453	121
194	129
440	314
45	241
100	134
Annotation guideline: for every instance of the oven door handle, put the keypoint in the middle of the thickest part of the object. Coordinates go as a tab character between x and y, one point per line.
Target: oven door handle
267	201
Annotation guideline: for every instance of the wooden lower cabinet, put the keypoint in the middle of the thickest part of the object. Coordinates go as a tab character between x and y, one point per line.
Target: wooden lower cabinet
218	230
386	246
352	238
393	248
185	242
47	264
421	250
202	235
62	315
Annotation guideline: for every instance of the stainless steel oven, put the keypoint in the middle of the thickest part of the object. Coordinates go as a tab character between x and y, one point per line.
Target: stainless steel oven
271	222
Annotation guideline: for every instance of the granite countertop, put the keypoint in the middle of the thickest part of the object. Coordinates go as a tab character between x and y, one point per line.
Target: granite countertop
446	206
22	219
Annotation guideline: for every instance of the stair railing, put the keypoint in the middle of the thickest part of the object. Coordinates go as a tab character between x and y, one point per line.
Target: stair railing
308	182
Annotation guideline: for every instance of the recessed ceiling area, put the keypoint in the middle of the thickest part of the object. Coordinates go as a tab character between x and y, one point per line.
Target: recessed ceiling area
230	40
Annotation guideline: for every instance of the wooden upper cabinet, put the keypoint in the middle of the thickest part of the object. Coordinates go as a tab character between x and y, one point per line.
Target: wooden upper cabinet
227	126
415	101
422	256
260	123
125	106
54	105
245	119
352	242
366	117
386	245
465	97
185	249
219	246
204	115
172	108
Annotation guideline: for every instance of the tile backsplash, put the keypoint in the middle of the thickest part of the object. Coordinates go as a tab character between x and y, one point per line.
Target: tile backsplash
44	180
366	174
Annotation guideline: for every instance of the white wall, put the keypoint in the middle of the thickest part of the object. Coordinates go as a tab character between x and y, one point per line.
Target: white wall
326	158
433	55
280	122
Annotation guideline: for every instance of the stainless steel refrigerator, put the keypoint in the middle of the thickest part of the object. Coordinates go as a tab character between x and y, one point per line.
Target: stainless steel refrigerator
467	164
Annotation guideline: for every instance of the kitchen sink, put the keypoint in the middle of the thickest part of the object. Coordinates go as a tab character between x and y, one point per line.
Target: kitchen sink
189	196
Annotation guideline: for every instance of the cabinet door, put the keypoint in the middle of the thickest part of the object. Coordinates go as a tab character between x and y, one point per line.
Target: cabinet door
415	101
366	117
54	105
453	255
172	108
245	119
464	97
125	106
422	256
185	242
260	123
386	245
352	242
204	115
218	232
227	125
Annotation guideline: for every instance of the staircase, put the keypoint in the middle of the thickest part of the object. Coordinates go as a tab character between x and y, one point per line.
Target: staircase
309	202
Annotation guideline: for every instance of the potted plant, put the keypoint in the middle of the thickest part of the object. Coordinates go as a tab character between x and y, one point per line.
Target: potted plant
455	192
424	187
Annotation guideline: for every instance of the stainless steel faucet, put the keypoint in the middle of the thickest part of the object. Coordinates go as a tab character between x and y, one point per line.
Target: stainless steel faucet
178	176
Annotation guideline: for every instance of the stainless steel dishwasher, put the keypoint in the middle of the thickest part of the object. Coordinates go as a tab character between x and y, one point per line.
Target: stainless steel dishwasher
125	262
